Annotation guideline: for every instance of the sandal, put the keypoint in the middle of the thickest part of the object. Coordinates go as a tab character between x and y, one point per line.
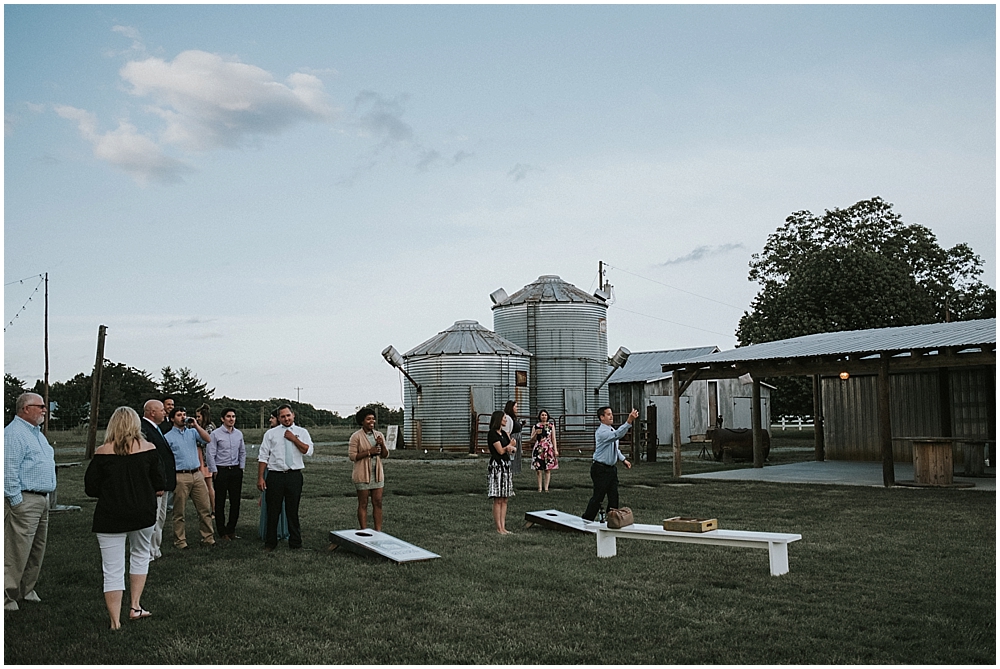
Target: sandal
135	614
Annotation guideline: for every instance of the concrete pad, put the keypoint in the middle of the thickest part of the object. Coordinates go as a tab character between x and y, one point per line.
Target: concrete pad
832	473
371	543
557	520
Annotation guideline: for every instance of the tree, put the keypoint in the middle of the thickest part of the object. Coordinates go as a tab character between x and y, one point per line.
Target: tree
852	269
13	387
185	387
121	385
384	416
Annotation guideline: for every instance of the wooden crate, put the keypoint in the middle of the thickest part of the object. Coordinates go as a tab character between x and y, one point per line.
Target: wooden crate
678	524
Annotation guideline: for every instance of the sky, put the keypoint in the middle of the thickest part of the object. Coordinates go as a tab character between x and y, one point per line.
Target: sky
271	195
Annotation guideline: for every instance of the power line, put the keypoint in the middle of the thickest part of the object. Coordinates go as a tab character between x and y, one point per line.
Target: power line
674	322
25	305
725	304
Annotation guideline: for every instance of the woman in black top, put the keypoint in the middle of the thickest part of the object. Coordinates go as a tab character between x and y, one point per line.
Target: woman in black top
126	477
512	425
499	484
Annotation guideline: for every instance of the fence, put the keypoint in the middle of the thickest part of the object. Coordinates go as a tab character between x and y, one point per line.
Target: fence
797	422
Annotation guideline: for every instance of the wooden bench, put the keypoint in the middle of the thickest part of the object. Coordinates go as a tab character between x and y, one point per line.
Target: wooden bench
775	543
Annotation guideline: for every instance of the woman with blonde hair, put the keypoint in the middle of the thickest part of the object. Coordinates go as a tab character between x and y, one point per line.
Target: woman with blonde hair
126	477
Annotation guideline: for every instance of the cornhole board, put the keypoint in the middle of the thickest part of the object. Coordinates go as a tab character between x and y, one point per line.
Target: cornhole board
557	520
378	544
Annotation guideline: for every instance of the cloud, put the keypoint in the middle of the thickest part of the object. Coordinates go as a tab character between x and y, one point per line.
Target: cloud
137	46
703	252
9	123
126	149
521	170
427	158
382	117
193	320
460	156
209	102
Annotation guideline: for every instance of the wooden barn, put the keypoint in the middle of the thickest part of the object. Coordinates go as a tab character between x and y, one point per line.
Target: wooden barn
642	383
876	390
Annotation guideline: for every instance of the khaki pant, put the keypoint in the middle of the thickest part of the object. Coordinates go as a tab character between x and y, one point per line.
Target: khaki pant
161	520
193	486
25	528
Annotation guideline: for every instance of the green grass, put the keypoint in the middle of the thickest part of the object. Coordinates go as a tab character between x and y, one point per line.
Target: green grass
881	576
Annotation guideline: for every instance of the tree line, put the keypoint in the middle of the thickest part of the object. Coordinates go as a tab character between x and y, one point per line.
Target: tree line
123	385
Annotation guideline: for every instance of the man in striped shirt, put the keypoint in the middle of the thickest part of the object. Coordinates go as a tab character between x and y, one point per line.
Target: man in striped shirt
29	476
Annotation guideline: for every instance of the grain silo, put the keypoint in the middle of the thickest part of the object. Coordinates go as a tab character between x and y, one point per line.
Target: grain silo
462	371
565	330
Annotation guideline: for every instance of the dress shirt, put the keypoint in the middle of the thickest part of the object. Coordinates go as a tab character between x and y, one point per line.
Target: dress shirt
29	463
225	449
280	454
184	443
606	438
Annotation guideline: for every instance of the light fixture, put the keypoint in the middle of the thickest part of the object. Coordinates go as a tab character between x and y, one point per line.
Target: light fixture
498	295
844	376
602	294
393	357
617	360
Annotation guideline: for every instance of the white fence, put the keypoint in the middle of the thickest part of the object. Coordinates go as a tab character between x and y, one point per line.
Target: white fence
793	422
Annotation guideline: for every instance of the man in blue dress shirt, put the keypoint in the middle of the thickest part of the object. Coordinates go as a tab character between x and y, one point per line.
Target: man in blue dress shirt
603	471
29	476
228	454
184	437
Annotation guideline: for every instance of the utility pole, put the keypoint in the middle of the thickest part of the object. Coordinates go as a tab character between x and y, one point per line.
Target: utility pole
95	392
45	428
297	389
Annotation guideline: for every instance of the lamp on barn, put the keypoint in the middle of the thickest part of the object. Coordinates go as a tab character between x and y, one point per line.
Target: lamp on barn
845	375
617	360
393	357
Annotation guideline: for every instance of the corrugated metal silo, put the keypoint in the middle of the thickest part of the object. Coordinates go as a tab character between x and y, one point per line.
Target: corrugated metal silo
464	369
565	330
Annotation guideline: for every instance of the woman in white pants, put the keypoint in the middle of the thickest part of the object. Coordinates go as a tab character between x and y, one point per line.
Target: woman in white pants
126	477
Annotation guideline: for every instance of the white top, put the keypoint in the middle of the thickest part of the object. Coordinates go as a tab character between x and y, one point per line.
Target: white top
280	454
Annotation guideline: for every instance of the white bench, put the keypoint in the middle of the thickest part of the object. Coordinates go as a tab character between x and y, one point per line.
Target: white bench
775	543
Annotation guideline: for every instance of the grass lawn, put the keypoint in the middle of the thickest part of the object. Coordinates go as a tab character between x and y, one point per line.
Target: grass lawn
880	576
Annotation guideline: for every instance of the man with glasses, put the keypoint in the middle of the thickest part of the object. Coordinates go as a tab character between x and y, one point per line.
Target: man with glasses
29	476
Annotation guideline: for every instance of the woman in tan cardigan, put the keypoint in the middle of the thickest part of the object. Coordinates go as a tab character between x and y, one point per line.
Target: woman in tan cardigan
366	450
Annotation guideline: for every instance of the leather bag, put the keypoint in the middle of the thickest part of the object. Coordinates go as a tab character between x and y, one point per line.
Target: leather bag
619	518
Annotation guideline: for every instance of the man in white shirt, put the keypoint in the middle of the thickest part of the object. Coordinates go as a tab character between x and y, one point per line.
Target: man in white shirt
280	455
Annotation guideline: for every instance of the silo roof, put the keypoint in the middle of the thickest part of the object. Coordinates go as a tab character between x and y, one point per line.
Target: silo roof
466	338
549	288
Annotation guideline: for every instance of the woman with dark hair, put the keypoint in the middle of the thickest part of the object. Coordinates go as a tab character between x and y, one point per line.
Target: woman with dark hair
203	415
282	520
512	426
366	450
498	478
126	477
544	452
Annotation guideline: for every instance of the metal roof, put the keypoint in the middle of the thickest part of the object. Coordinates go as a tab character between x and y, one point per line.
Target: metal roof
466	338
860	342
646	365
549	288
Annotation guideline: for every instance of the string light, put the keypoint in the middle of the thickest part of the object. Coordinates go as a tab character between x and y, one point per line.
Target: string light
25	305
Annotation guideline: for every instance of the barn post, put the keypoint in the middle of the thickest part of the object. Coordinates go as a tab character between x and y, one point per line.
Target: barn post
651	430
676	393
819	445
885	423
758	439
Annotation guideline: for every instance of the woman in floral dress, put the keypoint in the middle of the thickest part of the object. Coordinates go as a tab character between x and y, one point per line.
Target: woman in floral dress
544	452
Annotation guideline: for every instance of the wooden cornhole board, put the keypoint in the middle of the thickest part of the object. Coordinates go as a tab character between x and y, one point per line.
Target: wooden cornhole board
557	520
371	543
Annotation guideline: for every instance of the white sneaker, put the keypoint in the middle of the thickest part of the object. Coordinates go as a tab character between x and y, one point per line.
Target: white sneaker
10	606
32	597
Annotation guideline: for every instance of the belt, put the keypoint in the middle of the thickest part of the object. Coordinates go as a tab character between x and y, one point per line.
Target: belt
33	492
189	471
604	465
283	471
229	467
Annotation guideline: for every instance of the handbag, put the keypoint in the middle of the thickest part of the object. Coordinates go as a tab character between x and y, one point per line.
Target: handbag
619	518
